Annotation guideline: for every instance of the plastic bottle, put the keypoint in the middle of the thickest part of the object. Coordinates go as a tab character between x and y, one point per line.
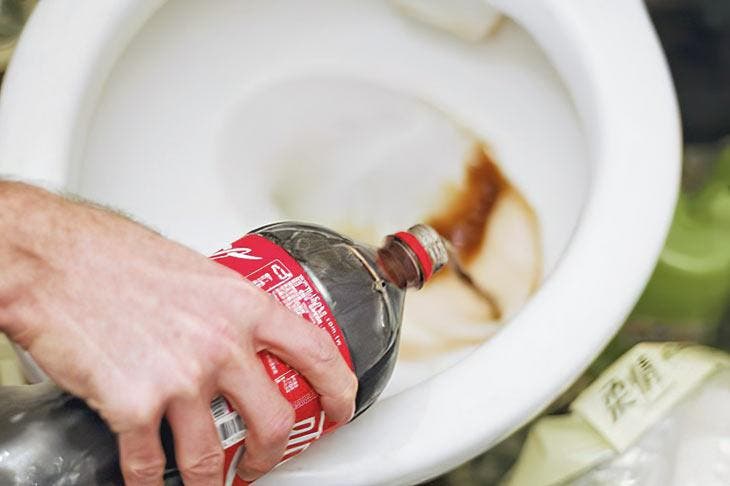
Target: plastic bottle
353	291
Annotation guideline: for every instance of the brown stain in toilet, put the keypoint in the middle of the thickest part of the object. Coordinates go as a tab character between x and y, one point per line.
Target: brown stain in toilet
465	218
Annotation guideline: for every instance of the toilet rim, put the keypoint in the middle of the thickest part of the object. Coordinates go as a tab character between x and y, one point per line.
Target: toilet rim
623	92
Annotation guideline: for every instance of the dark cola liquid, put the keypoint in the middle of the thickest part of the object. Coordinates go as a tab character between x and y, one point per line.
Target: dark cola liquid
367	307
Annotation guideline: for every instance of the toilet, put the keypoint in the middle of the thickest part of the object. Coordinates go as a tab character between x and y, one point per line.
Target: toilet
206	119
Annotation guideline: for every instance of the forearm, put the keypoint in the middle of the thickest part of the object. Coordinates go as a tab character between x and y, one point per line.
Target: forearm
21	264
38	232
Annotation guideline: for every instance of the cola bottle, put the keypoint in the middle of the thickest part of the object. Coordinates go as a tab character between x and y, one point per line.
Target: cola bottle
353	291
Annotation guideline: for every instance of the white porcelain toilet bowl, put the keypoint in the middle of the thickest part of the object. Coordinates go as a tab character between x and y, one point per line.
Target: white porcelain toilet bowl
168	111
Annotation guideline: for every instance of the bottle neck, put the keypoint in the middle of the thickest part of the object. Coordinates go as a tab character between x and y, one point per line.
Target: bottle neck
399	264
409	258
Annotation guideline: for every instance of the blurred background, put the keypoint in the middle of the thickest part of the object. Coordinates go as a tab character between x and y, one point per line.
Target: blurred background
687	297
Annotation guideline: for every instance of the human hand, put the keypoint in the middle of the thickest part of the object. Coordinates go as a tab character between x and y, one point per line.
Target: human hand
141	327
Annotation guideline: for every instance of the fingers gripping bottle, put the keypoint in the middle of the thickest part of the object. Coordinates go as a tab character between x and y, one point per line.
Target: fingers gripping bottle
353	291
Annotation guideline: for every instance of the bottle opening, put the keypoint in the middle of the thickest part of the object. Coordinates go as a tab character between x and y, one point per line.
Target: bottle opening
415	246
410	258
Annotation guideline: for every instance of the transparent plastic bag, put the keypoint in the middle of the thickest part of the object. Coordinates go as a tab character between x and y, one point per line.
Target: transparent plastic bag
659	416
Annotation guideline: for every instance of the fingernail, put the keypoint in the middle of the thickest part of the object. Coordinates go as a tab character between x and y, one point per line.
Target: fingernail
352	415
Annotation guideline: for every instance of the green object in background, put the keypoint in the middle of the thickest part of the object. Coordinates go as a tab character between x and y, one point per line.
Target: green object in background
691	283
13	15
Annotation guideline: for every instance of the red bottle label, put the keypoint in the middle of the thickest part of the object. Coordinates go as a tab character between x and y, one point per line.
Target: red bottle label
272	269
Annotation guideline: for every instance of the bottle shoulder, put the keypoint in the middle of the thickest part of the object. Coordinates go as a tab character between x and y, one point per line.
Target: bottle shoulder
367	307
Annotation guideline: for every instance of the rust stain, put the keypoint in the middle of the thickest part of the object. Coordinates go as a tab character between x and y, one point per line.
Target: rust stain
465	218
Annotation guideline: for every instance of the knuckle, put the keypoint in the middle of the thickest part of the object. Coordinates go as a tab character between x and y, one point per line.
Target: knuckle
257	304
278	426
143	471
257	330
264	306
226	352
323	352
204	466
124	410
195	374
188	385
133	416
256	466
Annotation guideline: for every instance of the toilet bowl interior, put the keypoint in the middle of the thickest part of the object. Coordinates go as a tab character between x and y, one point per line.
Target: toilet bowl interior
219	118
